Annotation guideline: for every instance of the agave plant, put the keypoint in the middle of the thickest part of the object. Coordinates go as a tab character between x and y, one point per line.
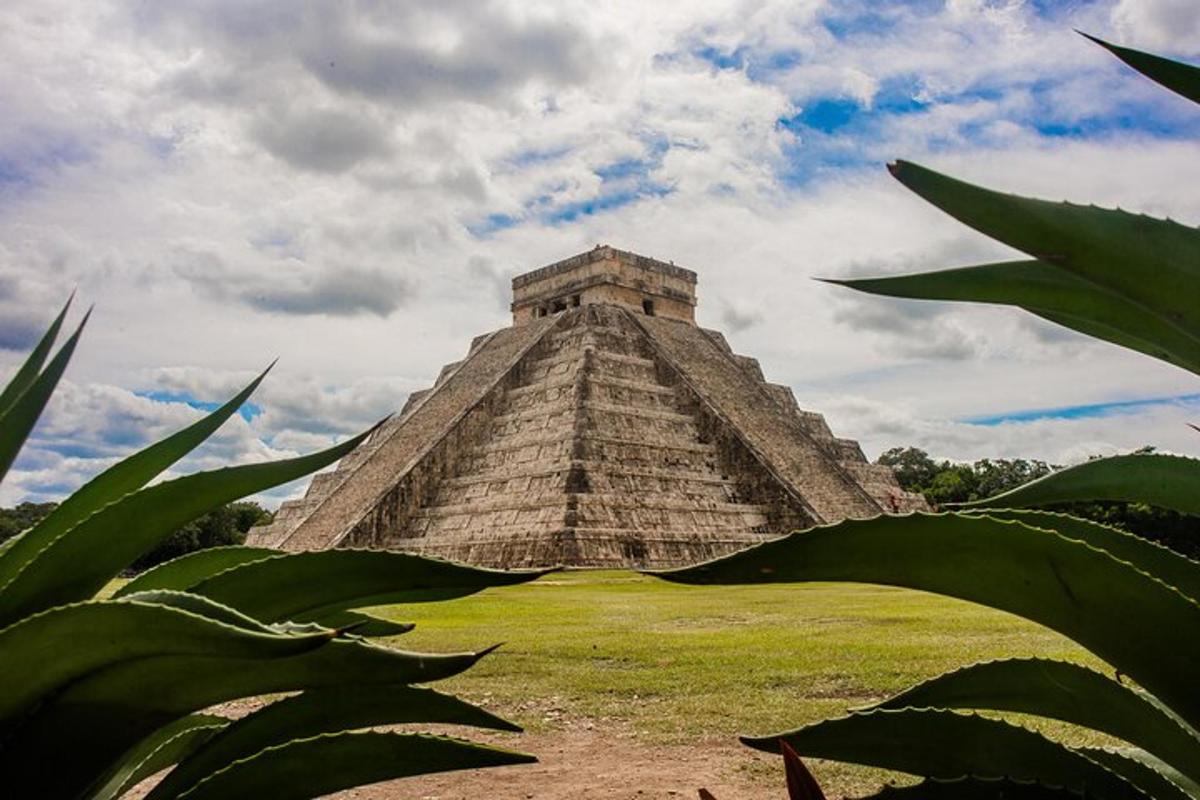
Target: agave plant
1123	278
98	694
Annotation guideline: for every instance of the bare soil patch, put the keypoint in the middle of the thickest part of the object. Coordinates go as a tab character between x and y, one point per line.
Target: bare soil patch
582	760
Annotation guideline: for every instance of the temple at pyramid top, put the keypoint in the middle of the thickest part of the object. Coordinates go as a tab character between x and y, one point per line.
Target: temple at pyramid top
603	428
605	275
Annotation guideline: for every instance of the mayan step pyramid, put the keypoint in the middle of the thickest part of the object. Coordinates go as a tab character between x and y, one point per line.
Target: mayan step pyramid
603	428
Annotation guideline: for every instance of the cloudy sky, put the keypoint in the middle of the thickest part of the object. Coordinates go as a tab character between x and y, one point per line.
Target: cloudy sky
351	186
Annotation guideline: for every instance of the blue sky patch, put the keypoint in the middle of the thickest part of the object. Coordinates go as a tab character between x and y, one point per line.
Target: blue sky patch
248	411
827	114
526	158
13	174
874	19
1086	411
73	449
735	59
626	168
897	96
759	67
569	212
25	169
624	181
492	223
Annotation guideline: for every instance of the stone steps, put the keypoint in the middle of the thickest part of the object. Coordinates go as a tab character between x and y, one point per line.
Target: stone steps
598	477
669	517
643	424
646	501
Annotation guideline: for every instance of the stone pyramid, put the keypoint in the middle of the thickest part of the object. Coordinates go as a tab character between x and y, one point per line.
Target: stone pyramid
602	429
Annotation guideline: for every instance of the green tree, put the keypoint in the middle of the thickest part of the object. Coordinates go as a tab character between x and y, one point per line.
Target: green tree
913	467
955	483
995	476
220	527
21	516
223	526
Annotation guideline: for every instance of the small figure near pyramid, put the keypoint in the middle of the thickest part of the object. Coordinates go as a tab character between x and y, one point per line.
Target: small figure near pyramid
604	428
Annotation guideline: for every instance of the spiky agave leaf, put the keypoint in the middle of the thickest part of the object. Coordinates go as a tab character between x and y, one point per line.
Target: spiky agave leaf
320	711
25	375
1109	248
20	417
1063	691
943	744
320	765
1054	294
117	481
166	746
186	571
341	579
1034	573
1167	565
100	716
1152	478
1183	79
82	560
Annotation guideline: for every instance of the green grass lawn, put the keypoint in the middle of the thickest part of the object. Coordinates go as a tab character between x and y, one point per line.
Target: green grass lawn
697	664
683	663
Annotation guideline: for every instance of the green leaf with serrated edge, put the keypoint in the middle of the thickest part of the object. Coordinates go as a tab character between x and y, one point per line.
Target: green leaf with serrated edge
20	418
117	481
336	580
100	716
1061	691
1151	478
34	663
331	710
1171	773
1030	572
975	789
1183	79
943	744
1161	562
1099	330
325	764
166	746
186	571
204	606
1052	293
1110	248
361	624
28	371
1149	780
81	561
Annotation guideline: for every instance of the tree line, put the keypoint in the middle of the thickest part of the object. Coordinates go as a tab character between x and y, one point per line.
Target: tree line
223	526
945	482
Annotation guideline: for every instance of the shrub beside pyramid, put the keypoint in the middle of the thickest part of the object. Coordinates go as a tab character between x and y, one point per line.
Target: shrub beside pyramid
604	428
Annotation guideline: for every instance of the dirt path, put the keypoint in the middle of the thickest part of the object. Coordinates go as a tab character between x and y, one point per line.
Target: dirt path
581	763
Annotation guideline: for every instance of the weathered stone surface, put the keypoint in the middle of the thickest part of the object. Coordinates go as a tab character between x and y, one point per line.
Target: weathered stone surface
601	434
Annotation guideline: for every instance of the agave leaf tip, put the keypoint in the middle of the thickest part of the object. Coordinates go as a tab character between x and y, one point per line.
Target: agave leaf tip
345	629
